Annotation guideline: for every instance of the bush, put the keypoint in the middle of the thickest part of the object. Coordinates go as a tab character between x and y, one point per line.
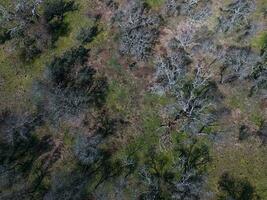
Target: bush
4	36
71	86
60	67
111	4
259	71
29	50
244	132
57	8
54	11
86	149
67	186
235	188
87	34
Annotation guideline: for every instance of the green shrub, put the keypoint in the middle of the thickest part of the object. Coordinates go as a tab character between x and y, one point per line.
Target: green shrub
54	11
57	8
87	34
4	36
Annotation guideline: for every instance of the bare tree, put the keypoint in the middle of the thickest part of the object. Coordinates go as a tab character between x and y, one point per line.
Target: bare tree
235	16
139	29
23	12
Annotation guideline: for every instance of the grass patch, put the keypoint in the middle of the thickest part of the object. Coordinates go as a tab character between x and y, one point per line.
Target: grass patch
260	41
120	98
154	4
257	119
245	161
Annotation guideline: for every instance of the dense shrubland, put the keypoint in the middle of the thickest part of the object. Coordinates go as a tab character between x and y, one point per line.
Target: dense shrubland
133	99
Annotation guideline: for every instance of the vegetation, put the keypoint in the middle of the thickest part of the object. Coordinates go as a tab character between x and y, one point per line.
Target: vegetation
235	188
141	99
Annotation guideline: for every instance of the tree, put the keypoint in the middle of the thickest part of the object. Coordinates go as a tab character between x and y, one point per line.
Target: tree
235	188
54	12
25	158
194	91
234	18
259	71
21	15
70	86
87	150
176	174
55	9
195	9
172	67
17	23
87	34
237	63
138	30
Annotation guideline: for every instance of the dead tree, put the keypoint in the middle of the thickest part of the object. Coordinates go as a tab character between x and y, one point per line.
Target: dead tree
138	28
235	16
22	14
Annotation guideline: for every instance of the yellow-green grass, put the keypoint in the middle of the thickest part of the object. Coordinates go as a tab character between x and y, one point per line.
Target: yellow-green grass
249	107
260	40
154	4
246	160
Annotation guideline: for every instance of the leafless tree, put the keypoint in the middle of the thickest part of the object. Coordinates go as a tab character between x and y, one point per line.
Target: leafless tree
235	16
23	12
139	29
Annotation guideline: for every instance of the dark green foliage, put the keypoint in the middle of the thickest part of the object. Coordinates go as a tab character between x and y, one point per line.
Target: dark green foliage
87	34
259	71
58	28
194	153
235	188
16	136
29	50
60	68
54	11
4	36
262	133
20	148
243	132
67	186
